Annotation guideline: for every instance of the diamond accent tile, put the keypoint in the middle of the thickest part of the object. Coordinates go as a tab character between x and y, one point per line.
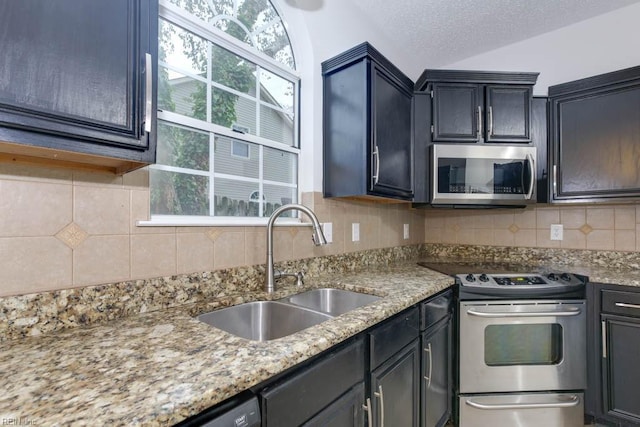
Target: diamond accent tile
293	231
455	227
514	228
586	229
213	234
72	235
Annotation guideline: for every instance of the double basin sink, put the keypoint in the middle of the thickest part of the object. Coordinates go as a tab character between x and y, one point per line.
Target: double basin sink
269	320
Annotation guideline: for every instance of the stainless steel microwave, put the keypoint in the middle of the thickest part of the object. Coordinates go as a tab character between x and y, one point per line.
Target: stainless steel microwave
483	175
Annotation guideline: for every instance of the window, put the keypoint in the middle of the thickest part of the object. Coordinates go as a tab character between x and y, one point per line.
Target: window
227	121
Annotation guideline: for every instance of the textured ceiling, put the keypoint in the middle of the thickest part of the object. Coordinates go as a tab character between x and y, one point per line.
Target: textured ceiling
441	32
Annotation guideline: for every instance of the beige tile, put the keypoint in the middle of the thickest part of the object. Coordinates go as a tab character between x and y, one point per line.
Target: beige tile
452	221
601	218
502	220
547	216
432	220
434	235
525	218
101	259
417	227
137	179
483	236
194	252
601	239
302	246
482	219
625	240
34	264
153	255
543	240
625	218
229	248
465	220
34	208
526	237
101	210
450	236
503	238
573	218
283	242
140	212
573	239
255	246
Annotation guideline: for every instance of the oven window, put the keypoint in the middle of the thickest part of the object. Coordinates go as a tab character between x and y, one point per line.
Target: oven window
524	344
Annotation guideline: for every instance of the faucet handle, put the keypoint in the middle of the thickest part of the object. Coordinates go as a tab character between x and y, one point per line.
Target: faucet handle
299	279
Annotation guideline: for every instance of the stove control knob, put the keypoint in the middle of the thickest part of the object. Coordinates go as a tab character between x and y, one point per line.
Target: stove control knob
553	276
566	277
470	278
484	278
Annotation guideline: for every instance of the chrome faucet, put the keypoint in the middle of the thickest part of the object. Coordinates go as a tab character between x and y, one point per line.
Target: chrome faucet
317	237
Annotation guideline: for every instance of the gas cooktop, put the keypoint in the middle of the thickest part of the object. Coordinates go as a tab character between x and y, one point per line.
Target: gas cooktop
489	279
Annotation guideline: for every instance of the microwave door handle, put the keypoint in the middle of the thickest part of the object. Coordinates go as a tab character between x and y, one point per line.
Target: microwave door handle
569	311
532	169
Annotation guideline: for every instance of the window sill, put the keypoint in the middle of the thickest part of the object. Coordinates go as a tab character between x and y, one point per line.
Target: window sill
206	221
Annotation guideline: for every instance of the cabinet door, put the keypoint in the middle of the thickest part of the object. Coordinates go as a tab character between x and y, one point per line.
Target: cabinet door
508	113
596	145
395	389
620	373
346	411
436	375
457	112
75	69
391	156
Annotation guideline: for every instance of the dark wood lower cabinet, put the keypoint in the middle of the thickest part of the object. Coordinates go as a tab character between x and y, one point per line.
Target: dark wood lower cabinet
346	411
615	372
436	374
396	389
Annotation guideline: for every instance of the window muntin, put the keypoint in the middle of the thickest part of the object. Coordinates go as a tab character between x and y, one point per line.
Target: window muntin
215	94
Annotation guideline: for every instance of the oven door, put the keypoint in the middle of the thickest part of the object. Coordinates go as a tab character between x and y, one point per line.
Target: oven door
512	346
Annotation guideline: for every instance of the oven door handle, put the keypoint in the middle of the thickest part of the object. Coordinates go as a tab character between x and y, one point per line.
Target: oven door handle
569	311
574	401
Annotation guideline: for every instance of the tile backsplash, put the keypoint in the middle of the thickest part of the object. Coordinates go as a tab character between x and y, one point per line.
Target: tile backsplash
595	227
62	229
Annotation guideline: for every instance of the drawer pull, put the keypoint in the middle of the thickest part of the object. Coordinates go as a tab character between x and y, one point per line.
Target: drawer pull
627	305
367	408
574	401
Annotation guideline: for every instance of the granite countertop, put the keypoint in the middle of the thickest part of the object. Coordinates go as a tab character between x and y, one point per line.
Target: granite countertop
162	367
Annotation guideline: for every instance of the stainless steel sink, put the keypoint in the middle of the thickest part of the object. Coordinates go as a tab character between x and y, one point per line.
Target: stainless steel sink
263	320
331	301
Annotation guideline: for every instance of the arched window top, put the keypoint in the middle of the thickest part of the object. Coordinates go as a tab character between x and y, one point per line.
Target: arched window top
253	22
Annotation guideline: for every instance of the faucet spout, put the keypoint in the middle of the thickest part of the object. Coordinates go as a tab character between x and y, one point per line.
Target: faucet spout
318	238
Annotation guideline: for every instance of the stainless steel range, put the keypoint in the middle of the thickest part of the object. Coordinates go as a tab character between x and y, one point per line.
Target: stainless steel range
521	348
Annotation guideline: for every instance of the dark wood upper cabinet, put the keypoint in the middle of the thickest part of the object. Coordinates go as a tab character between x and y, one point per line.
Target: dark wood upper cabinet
368	138
77	81
595	138
479	106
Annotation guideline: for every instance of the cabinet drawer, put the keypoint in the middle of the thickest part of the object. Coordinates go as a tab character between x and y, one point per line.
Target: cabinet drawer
396	333
621	302
297	399
434	309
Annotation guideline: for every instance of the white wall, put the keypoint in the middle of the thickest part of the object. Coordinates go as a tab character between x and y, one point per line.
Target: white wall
605	43
321	29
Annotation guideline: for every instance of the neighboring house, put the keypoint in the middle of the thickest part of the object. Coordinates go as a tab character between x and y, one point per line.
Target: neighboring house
236	157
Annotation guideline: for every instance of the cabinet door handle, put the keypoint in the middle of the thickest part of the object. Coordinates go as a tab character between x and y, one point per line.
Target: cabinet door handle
490	121
376	162
380	396
575	400
603	326
148	88
428	378
479	123
367	408
627	305
555	181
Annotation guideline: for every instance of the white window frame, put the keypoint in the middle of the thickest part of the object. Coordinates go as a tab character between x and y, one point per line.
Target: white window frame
177	16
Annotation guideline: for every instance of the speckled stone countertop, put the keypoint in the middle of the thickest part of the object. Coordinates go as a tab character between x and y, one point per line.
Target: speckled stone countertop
162	367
